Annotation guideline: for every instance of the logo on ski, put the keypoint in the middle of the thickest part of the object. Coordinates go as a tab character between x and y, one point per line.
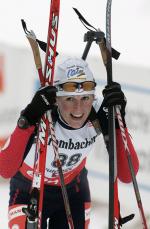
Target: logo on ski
52	46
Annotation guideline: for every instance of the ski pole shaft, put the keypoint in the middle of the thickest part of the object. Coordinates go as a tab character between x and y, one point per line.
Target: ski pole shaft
108	42
31	225
133	176
37	58
60	171
87	48
134	181
106	52
107	56
113	185
113	182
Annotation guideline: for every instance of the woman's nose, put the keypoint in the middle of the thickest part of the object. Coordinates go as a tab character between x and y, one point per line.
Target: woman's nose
77	104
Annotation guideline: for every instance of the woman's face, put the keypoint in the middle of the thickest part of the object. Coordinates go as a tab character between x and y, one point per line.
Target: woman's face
75	109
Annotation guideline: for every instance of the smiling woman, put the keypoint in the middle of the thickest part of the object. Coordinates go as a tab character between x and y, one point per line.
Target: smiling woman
75	112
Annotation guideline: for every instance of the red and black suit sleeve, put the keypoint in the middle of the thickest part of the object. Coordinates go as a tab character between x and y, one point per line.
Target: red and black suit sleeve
14	151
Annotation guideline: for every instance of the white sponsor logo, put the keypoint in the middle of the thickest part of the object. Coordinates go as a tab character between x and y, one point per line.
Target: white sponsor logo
30	173
16	212
76	72
52	44
15	226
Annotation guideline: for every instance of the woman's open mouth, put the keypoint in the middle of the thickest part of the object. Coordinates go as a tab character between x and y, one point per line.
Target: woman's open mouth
76	116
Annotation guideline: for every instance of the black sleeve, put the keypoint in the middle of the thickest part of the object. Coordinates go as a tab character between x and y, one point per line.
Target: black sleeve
102	116
29	144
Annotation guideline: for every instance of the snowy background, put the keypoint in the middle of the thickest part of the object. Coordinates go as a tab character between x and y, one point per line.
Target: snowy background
18	81
130	23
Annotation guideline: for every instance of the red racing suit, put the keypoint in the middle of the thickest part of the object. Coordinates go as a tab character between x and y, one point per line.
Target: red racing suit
17	160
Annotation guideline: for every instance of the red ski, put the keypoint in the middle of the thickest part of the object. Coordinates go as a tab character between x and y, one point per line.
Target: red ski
45	124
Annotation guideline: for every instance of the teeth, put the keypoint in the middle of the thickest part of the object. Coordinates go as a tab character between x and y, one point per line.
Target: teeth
77	116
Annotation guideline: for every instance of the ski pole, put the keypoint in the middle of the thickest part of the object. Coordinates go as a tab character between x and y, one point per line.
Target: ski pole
133	176
40	155
113	183
103	49
98	36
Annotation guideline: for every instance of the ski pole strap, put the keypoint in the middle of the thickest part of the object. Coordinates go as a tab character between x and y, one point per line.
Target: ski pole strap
83	20
34	45
24	26
42	44
35	49
115	53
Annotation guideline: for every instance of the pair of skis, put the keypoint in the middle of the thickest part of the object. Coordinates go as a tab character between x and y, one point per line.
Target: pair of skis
34	209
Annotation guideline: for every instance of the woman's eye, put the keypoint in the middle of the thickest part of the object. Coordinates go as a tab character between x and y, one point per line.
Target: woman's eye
85	98
69	99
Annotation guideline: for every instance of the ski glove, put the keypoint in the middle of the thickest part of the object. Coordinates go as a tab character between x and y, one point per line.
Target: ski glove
113	95
43	100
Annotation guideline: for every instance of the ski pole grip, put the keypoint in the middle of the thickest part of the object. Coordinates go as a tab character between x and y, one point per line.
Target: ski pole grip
86	50
36	52
103	49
